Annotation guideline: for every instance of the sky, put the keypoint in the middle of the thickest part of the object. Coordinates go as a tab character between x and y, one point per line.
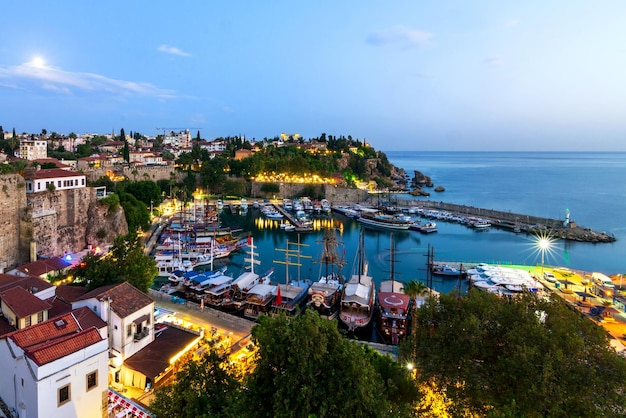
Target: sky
403	75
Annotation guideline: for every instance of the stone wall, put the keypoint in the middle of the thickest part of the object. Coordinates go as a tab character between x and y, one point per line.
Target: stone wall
336	195
154	173
13	208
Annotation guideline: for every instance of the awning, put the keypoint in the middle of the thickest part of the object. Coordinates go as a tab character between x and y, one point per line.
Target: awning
126	403
141	319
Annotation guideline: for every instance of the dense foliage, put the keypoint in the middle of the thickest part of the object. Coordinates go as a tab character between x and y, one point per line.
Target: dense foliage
525	356
126	262
304	368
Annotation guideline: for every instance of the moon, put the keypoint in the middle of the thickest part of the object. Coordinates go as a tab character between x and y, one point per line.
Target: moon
38	62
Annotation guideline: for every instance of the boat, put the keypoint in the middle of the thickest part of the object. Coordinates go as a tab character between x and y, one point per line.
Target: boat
325	294
427	228
393	306
244	204
259	300
445	270
236	300
384	220
357	302
291	296
325	205
219	204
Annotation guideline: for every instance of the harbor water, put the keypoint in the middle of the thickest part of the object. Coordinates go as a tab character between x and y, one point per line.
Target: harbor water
542	184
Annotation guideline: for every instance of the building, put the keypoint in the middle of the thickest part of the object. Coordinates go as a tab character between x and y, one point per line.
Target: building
130	315
54	179
56	368
33	149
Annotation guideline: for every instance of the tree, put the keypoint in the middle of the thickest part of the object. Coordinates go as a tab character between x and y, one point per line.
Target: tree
126	151
126	262
202	388
473	347
305	367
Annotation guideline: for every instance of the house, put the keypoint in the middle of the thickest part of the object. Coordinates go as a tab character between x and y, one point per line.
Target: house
55	179
57	368
24	301
32	149
130	317
46	268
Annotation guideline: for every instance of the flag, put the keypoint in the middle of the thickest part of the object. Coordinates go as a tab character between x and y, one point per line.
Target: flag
249	239
279	299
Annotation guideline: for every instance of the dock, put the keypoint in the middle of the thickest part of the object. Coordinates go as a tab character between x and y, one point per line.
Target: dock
292	219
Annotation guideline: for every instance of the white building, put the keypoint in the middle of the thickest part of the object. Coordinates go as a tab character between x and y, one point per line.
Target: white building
33	149
130	315
53	369
41	180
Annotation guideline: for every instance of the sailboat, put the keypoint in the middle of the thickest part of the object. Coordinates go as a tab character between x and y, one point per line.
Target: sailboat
393	305
325	294
236	300
357	302
292	295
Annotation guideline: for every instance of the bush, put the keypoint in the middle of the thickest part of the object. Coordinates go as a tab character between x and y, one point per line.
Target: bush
112	201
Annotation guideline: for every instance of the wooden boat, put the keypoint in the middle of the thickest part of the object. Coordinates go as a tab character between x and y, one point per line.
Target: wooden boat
325	294
291	296
357	302
259	300
393	306
384	220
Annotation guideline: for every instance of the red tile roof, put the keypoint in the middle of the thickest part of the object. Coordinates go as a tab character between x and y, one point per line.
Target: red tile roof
30	283
41	267
53	339
58	163
69	293
64	346
88	318
50	173
126	299
22	302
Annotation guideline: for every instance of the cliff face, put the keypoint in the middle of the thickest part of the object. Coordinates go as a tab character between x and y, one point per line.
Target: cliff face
104	226
51	223
70	220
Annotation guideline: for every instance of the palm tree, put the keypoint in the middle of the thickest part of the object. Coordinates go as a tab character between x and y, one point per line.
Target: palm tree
415	288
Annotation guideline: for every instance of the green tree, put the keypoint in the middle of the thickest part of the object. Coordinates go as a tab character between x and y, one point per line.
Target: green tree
524	356
126	262
146	191
305	367
203	388
126	151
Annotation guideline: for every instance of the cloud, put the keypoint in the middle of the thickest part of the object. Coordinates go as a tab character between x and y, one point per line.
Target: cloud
55	79
400	35
494	62
173	50
511	23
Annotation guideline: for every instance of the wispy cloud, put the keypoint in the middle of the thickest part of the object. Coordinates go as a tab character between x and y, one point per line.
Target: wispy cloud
37	75
173	50
494	62
512	22
400	35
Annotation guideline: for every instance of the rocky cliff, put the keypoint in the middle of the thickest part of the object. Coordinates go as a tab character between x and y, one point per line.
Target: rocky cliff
52	223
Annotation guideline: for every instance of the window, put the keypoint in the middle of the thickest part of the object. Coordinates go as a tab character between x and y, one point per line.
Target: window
27	321
64	395
39	317
129	330
92	380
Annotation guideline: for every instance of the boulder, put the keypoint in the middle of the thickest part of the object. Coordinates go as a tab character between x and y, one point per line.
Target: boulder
440	189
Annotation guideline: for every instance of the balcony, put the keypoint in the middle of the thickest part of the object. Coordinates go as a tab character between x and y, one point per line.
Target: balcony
141	335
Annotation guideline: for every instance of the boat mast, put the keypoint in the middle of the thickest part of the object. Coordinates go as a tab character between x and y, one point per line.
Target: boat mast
292	252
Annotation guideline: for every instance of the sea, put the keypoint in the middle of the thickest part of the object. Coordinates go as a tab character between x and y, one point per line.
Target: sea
591	186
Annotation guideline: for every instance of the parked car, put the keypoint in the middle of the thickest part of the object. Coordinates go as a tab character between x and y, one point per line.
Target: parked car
549	276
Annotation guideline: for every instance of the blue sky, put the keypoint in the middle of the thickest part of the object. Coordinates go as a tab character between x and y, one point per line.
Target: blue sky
404	75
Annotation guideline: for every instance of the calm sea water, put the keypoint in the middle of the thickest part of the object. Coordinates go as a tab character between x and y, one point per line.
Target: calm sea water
590	185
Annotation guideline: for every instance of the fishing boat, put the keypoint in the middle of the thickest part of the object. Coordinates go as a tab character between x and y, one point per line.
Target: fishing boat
393	306
384	220
357	302
324	295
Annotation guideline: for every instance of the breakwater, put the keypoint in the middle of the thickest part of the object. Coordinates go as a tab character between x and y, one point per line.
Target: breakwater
556	228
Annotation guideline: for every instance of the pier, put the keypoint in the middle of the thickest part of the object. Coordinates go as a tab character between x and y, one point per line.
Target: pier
556	228
292	219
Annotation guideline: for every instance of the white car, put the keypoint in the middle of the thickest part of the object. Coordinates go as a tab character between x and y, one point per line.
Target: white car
547	275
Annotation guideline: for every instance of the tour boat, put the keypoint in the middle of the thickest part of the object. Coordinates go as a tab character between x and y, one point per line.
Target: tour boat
325	294
357	302
383	220
394	306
